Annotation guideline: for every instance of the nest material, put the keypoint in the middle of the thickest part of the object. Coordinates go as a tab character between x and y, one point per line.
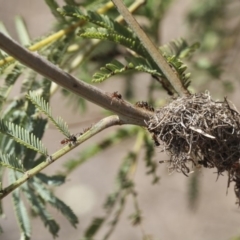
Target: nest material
198	130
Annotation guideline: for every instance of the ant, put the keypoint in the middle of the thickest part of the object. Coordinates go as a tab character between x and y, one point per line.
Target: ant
71	139
144	105
86	129
117	96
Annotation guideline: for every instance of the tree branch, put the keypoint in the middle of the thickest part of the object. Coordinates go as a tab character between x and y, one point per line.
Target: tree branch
151	48
127	113
98	127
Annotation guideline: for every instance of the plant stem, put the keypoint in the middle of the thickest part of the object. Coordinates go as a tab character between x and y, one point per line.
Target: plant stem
98	127
128	113
151	48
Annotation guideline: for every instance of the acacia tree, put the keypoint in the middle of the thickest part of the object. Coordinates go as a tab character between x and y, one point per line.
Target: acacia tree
195	130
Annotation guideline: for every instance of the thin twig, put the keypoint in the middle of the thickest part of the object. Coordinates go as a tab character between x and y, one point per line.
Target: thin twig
151	48
126	111
98	127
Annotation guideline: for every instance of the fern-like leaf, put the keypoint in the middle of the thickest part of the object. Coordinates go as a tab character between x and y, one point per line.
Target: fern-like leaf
179	48
116	67
113	31
55	202
100	20
39	208
107	29
22	136
104	34
151	165
11	162
55	180
43	106
180	68
25	138
21	211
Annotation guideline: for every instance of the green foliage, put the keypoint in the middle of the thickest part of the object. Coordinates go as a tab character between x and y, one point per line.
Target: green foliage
21	212
102	21
43	106
47	196
110	30
22	126
179	48
55	180
10	80
151	165
22	136
115	67
11	162
39	208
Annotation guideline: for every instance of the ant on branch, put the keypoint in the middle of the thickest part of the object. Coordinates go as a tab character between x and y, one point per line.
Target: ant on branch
86	129
117	96
144	105
71	139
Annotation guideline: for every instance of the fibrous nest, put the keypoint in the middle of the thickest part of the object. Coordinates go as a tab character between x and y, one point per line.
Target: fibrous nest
195	129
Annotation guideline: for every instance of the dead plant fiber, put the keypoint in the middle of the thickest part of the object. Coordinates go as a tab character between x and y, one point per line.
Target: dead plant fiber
198	130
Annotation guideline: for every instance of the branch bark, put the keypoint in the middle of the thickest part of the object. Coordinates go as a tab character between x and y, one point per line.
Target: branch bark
128	114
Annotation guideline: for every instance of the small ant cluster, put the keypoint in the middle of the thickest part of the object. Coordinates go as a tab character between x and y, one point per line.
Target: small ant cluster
144	105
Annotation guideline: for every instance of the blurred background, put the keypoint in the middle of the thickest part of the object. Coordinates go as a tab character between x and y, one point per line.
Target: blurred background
167	210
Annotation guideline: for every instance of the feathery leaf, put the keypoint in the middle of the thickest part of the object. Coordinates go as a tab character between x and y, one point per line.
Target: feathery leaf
39	208
105	34
21	211
115	67
55	202
23	137
9	81
100	20
11	162
43	106
55	180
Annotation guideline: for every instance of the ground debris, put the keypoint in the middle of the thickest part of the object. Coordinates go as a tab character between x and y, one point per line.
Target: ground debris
196	129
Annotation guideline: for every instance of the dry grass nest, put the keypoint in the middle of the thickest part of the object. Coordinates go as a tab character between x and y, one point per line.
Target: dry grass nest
195	129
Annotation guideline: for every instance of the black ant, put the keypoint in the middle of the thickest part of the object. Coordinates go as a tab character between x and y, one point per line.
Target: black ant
117	96
144	105
70	139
